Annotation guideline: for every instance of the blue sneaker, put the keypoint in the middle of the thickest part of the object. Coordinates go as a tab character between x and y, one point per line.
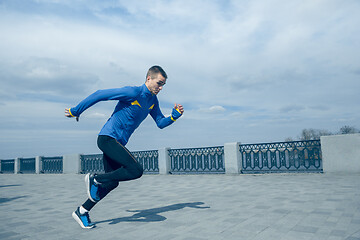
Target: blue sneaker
82	219
92	188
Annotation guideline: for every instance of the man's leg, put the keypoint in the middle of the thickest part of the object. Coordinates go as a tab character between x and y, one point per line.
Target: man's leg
119	165
81	214
109	166
105	188
130	169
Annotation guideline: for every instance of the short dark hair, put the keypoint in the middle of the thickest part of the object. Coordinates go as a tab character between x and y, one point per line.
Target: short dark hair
155	70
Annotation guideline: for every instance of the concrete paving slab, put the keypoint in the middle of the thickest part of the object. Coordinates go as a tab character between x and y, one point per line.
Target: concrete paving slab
269	206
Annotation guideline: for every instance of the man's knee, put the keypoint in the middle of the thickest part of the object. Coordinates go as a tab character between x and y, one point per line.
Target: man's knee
112	185
139	172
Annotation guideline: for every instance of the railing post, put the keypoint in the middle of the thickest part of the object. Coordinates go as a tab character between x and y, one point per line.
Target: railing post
341	153
16	165
232	156
38	164
72	163
164	161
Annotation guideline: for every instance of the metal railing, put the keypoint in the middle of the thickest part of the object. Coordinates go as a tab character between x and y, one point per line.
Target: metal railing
52	164
149	160
27	165
197	160
7	166
282	157
296	156
94	162
91	163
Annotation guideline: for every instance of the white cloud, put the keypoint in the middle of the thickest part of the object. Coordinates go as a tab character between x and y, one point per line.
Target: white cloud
253	65
97	115
213	109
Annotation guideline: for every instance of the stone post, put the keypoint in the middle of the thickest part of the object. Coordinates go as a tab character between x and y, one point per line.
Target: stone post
341	153
164	161
16	165
38	164
72	163
233	164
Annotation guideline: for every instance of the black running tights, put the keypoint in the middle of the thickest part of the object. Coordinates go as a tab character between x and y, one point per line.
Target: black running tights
119	165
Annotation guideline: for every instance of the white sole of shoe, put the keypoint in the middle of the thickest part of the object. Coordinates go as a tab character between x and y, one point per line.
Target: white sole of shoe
78	220
87	183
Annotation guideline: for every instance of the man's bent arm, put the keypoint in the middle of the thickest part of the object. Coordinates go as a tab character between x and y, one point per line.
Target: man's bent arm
124	93
160	119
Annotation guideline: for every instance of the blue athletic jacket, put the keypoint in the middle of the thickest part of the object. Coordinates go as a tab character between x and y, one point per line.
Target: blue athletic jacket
135	103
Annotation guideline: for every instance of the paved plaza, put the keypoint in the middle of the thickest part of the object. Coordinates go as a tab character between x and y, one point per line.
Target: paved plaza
193	207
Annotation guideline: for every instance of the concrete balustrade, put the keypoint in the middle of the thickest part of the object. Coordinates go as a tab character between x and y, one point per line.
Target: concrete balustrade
340	153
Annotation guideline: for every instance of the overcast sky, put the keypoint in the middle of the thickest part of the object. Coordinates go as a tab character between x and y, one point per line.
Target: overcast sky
245	71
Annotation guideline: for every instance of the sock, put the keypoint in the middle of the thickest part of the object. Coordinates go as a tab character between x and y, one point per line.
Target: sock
83	210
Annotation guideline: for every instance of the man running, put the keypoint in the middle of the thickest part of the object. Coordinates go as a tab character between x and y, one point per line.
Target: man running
134	104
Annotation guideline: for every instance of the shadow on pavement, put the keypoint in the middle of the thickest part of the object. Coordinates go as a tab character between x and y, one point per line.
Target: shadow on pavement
14	185
152	215
4	200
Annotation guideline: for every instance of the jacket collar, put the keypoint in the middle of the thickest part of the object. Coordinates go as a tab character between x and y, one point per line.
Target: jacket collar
145	91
